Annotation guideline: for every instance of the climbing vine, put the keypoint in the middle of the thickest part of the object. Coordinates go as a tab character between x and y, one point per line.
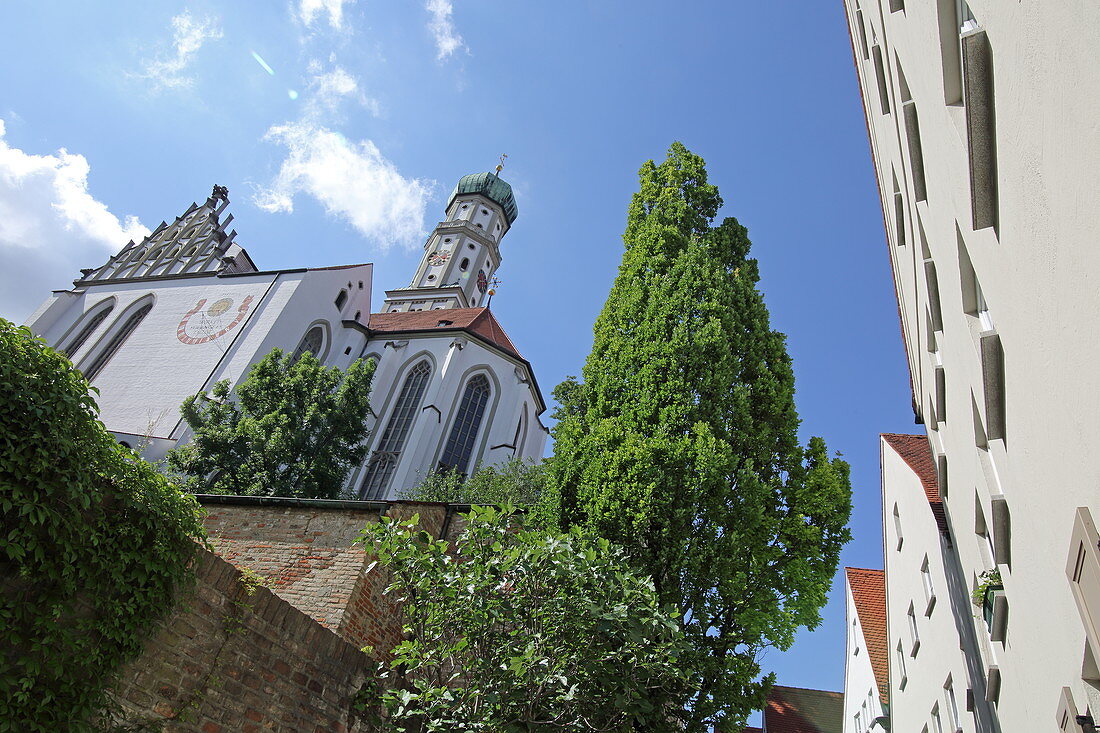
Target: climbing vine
94	543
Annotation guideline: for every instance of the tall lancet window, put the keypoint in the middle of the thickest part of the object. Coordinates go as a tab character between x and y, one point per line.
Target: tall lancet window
311	342
386	455
86	331
460	444
116	342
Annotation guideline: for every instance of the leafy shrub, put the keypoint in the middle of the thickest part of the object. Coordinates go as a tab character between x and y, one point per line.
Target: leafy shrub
93	543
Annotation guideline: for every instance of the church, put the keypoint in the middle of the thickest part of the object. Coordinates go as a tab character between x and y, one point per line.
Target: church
187	307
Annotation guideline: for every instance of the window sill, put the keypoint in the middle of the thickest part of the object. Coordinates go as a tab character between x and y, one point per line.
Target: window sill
915	649
930	606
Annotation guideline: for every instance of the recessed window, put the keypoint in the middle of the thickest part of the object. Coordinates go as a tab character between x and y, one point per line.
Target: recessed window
431	277
901	666
116	342
341	300
952	706
465	264
485	212
460	444
384	460
897	527
929	590
360	284
937	723
311	342
914	635
480	225
87	330
447	240
880	77
470	246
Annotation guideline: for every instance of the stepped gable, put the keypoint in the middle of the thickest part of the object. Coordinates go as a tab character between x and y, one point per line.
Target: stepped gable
917	454
477	321
869	594
798	710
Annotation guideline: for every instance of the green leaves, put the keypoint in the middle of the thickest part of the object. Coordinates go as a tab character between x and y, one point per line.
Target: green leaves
523	630
93	543
681	444
293	428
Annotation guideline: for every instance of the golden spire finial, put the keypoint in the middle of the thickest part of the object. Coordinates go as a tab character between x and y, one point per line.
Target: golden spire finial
500	166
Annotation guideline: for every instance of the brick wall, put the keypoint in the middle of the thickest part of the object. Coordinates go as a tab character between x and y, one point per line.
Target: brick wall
230	661
307	552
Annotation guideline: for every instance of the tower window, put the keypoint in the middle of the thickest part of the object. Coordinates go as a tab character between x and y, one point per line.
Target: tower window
116	342
341	300
485	211
311	342
447	240
431	277
464	264
87	331
460	444
386	455
470	246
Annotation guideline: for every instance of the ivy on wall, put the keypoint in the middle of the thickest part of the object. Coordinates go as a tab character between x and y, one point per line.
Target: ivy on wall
93	543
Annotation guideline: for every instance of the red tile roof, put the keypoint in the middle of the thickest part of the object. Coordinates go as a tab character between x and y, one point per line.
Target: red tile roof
869	594
917	454
479	321
798	710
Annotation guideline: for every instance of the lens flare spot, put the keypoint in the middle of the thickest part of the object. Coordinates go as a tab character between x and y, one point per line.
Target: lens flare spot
292	94
262	63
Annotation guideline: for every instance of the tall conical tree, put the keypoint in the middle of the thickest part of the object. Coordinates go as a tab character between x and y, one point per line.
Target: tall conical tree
681	443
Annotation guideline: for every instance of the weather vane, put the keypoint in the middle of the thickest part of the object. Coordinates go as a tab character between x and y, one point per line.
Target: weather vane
500	166
493	285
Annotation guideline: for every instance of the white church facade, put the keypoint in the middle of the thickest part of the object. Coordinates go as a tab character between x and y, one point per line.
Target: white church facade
170	316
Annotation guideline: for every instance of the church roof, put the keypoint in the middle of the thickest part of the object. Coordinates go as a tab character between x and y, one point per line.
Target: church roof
478	321
490	186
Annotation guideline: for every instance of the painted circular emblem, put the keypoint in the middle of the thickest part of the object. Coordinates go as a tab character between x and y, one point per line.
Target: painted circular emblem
201	326
435	259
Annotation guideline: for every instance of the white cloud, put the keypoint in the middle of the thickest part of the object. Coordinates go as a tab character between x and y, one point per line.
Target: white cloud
329	88
352	180
188	36
50	226
309	10
447	40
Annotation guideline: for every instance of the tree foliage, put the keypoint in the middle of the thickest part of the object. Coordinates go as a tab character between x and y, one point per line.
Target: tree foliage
292	428
680	443
517	482
522	631
92	546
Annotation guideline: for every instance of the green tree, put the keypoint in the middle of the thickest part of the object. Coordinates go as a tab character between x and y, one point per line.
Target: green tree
680	443
517	482
293	428
516	630
93	543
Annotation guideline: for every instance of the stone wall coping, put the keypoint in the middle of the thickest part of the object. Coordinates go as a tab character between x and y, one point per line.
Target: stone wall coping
290	501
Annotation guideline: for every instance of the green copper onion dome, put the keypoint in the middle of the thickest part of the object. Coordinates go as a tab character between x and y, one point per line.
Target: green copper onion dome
491	187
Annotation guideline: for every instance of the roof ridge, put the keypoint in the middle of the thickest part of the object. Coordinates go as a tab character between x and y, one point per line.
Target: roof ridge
866	570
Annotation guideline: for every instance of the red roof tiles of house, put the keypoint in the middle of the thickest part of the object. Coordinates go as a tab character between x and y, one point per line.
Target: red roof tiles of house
917	454
798	710
869	594
479	321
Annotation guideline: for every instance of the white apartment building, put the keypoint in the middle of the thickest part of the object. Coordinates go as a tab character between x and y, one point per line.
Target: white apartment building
982	119
866	651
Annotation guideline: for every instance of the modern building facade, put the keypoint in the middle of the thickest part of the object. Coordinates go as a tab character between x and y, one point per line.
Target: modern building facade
982	123
186	307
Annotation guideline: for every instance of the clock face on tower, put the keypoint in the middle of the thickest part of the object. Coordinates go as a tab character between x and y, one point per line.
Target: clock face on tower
205	323
435	259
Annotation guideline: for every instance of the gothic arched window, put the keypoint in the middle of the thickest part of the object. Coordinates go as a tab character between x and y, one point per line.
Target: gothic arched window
116	342
384	461
460	444
311	342
86	331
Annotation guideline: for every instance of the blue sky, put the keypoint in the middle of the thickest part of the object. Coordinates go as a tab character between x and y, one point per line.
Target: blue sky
118	115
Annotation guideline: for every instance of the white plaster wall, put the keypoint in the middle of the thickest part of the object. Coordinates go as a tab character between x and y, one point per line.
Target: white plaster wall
941	626
860	685
1038	271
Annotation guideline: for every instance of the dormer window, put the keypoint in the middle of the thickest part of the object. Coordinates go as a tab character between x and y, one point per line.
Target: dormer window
444	323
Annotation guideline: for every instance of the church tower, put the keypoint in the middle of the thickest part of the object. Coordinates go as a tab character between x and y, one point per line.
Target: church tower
463	251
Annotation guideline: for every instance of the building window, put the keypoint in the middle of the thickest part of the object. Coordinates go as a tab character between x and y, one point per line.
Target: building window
937	724
880	77
311	342
861	30
86	331
929	589
384	461
897	526
341	299
914	636
952	706
901	667
460	444
116	342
